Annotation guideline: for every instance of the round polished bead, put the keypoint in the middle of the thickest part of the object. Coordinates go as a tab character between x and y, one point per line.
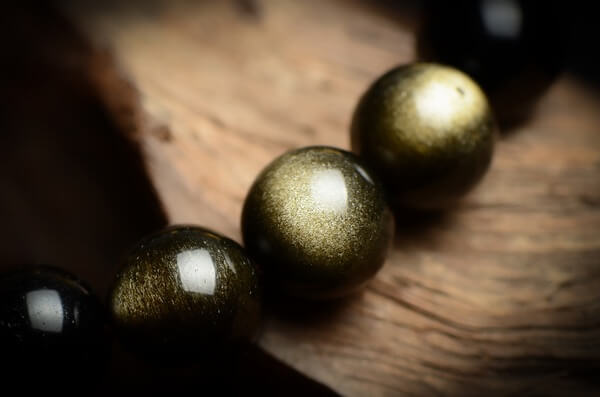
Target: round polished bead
185	294
51	329
317	221
428	132
513	48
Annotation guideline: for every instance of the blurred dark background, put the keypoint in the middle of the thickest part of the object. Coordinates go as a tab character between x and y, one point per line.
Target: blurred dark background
72	188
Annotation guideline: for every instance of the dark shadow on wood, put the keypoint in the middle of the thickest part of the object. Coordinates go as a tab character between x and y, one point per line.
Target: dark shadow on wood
252	372
298	311
73	190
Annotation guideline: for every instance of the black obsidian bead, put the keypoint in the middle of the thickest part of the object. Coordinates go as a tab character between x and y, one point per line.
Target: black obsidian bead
316	220
51	331
185	295
428	132
513	48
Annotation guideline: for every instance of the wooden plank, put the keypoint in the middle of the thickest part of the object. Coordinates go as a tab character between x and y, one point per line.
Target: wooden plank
500	296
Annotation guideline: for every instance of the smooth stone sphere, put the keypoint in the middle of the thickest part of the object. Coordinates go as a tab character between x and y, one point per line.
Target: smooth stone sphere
316	220
51	329
428	131
513	48
185	294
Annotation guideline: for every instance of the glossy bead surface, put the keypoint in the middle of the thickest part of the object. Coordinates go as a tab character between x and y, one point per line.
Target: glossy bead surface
185	293
427	130
51	328
317	221
513	48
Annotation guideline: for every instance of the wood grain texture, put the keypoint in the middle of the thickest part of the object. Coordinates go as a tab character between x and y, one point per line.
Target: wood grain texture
500	296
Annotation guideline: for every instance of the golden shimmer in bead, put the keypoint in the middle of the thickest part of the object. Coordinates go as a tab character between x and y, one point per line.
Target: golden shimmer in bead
428	131
185	291
317	221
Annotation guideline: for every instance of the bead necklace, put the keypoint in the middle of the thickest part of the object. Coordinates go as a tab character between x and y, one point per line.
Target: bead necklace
316	225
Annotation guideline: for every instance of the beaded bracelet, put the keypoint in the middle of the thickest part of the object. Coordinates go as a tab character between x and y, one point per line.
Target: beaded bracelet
316	224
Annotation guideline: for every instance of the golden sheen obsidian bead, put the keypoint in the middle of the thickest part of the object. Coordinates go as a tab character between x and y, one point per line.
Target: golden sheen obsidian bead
428	131
316	220
185	293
